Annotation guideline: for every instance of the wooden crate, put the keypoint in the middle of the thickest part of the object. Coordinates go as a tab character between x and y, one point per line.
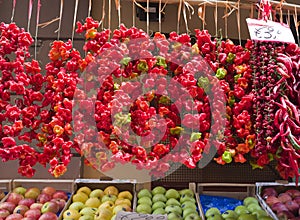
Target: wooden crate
5	186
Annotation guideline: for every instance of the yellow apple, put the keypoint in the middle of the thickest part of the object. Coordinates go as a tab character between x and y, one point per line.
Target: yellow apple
98	193
71	214
107	205
77	206
122	207
80	197
111	190
125	195
123	201
85	190
103	214
92	202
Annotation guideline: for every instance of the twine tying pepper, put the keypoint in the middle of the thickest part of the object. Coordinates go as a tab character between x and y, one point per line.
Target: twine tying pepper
191	12
13	11
60	18
179	15
201	15
90	8
118	7
29	14
74	18
37	26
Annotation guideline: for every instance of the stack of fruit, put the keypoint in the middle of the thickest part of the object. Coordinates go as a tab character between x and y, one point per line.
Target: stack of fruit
175	204
285	203
98	204
250	210
33	204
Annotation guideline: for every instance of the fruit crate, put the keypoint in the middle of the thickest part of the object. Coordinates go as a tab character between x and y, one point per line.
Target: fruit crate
170	185
5	187
66	185
92	184
232	193
279	187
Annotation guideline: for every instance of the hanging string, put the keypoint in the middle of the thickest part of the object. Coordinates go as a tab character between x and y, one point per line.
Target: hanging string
29	14
60	18
37	27
295	15
118	7
133	13
226	19
288	19
216	18
179	15
13	11
279	8
252	11
74	19
109	14
238	14
201	14
159	16
148	18
191	11
103	14
90	8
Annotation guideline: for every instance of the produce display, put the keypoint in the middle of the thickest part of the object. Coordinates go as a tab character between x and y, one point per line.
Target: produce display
176	204
249	209
98	204
283	201
33	203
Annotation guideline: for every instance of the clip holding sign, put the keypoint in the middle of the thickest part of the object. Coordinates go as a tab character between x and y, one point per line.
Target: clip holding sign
137	216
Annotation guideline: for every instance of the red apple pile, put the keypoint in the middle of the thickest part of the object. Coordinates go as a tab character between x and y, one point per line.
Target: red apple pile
285	204
33	204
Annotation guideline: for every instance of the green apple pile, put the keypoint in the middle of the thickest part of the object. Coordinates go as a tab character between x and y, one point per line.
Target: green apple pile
250	210
98	204
177	205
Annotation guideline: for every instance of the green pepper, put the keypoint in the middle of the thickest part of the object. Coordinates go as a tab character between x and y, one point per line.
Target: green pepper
226	157
161	61
231	101
116	86
122	119
125	61
164	100
176	131
195	136
221	73
204	83
142	66
236	77
230	58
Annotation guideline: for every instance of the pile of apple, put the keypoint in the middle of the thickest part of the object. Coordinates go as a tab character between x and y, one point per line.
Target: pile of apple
98	204
286	204
250	210
175	204
33	204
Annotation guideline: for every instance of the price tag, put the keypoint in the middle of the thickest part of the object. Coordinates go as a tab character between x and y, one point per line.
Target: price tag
269	31
136	216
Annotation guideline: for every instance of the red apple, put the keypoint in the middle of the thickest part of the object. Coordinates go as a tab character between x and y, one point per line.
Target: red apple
14	198
272	200
14	216
48	216
8	206
36	206
27	201
60	195
33	213
43	198
61	203
49	190
21	209
50	207
293	192
28	218
4	213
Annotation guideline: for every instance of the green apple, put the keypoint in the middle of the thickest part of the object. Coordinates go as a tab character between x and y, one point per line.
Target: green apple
173	201
172	193
93	202
192	216
241	209
144	193
144	208
212	212
186	192
250	199
253	207
109	197
260	213
97	193
173	208
77	206
158	190
174	216
80	197
229	214
215	217
159	211
185	198
20	190
158	204
188	204
265	218
247	216
86	217
145	200
159	197
88	211
71	214
188	211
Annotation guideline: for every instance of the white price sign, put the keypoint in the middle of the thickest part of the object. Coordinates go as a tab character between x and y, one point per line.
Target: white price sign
136	216
269	31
